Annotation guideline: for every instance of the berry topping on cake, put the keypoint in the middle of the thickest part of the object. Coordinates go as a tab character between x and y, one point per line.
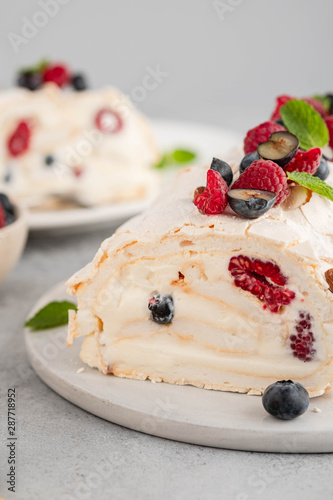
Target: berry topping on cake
259	134
301	342
305	161
56	73
280	101
19	140
322	171
248	160
317	106
79	82
285	399
250	203
262	279
7	215
213	200
161	308
49	160
2	217
264	175
35	76
329	124
279	121
108	121
223	169
30	80
280	148
283	99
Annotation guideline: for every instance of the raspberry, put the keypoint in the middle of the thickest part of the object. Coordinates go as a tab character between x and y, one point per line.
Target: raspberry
282	99
301	342
266	175
317	106
2	217
18	142
213	200
259	134
329	123
56	73
262	279
108	121
305	161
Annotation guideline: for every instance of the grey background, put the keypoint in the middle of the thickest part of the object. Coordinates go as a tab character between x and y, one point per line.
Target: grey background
223	71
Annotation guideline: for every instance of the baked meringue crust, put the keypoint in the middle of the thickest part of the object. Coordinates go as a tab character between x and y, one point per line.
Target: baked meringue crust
221	337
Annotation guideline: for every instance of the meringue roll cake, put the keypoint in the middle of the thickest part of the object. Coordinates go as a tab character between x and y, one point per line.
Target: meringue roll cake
216	301
92	147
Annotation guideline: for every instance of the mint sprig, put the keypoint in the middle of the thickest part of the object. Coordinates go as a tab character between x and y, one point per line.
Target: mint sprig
175	158
313	183
52	315
37	68
324	100
303	121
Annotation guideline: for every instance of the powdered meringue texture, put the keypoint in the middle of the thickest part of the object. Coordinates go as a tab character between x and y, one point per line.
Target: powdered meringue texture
221	337
89	166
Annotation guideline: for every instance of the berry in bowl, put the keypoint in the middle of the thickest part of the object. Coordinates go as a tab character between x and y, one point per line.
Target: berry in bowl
13	234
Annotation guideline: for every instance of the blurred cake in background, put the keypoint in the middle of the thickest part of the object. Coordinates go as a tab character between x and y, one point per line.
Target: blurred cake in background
61	142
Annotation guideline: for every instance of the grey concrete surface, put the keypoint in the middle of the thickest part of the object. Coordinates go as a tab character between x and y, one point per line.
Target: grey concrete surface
65	453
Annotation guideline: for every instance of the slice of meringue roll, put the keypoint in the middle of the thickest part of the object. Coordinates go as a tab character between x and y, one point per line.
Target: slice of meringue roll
92	147
248	299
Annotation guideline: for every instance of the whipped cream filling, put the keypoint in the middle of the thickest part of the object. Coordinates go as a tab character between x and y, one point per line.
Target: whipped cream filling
90	166
220	337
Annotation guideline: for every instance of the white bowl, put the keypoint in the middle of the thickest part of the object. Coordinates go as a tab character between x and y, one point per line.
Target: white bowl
12	242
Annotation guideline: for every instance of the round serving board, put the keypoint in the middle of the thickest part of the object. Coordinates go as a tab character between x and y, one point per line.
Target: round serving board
182	413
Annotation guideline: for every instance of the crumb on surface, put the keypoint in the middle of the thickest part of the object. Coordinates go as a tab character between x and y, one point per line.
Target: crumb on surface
80	370
316	410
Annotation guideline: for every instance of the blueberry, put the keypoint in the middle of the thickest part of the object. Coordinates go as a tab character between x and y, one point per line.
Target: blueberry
330	97
280	148
49	160
322	171
79	82
279	121
161	308
30	80
8	208
7	177
250	203
247	160
285	399
223	169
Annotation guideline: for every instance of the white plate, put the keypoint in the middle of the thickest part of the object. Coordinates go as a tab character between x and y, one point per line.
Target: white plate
181	413
205	140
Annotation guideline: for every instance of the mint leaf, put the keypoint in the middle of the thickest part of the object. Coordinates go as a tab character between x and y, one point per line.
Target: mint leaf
311	182
303	121
183	156
52	315
324	100
175	157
